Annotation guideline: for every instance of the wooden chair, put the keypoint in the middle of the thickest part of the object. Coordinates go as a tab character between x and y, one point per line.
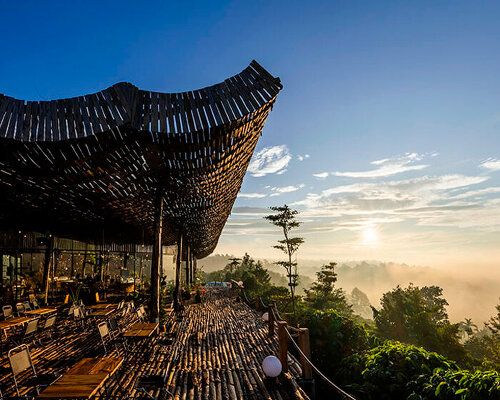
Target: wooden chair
48	329
28	334
146	383
27	306
108	339
7	312
20	361
19	309
36	306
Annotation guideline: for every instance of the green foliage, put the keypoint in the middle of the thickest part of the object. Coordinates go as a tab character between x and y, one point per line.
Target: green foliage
256	279
418	316
324	295
333	337
464	385
385	371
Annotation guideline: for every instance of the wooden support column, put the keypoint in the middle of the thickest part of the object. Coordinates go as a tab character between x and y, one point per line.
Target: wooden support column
49	243
271	319
194	270
306	349
188	262
178	272
283	345
154	309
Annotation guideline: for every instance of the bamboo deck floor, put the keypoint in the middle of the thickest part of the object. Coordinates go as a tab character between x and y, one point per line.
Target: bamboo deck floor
215	352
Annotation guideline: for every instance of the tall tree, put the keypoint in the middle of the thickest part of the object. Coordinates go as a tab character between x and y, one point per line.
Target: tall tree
418	316
323	294
285	218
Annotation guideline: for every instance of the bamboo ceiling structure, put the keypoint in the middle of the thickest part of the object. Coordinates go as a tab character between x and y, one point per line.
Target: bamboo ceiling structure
91	166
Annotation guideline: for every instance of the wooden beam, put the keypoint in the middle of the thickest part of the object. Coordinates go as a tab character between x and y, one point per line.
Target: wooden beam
46	265
155	262
178	272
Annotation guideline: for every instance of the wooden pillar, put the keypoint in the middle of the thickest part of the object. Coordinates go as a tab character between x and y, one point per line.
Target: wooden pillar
188	261
306	349
271	320
193	270
178	272
283	345
154	309
49	243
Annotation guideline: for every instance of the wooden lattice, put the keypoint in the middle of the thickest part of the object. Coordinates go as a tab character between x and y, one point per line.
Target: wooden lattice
90	167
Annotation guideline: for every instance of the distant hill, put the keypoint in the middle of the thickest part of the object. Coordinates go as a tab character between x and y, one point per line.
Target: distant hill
470	295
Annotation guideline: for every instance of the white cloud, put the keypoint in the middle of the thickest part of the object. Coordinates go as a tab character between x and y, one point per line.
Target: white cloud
417	198
270	160
252	195
492	164
388	167
285	189
321	175
302	158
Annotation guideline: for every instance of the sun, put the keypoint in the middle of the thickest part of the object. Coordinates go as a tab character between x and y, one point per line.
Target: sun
369	237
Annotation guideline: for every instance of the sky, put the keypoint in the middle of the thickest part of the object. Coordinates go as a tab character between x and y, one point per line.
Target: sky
385	136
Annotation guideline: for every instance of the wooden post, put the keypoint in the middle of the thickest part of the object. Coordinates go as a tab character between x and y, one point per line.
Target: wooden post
154	311
178	272
188	259
306	349
46	266
271	319
194	269
283	345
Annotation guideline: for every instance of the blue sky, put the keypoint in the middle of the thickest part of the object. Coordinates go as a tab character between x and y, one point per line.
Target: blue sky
411	86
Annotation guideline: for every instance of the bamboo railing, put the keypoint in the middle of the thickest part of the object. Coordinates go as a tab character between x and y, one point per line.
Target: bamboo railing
287	335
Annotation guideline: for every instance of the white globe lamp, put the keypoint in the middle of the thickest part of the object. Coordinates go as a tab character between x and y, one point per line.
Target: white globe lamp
271	366
265	317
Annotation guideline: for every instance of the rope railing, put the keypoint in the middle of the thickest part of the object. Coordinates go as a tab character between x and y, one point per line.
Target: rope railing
285	336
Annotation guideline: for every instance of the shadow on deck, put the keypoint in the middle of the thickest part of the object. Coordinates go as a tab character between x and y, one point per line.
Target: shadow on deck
213	351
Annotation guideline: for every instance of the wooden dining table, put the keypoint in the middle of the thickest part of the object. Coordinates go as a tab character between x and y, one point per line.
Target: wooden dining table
101	306
41	311
84	379
12	322
141	330
101	312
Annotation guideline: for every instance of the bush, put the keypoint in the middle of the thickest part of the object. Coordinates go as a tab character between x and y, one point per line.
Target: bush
463	385
388	371
333	337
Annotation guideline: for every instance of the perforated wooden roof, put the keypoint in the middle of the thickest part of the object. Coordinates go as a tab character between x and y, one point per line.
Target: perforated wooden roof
90	167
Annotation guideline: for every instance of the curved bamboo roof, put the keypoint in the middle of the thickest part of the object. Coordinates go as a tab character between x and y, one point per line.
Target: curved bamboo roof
90	167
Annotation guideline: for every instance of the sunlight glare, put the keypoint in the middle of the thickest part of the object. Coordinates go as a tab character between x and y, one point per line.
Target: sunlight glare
369	236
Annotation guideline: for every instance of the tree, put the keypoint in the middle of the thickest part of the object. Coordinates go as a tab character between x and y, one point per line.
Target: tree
360	303
467	327
284	218
418	316
494	322
324	295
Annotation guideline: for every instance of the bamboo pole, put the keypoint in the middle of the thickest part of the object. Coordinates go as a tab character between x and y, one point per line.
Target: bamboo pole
271	319
155	262
305	346
283	345
178	272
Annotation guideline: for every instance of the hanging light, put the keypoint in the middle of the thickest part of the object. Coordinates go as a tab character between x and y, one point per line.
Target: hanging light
265	317
271	366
